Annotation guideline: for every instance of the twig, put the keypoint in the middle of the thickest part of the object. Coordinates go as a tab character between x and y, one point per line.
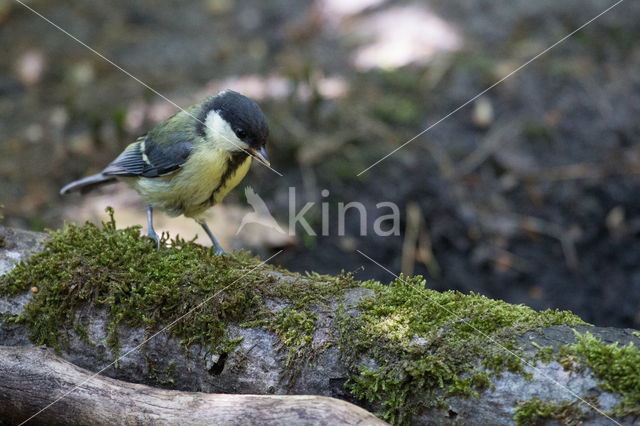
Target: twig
411	234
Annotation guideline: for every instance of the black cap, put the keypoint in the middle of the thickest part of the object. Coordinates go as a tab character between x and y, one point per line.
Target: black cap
243	115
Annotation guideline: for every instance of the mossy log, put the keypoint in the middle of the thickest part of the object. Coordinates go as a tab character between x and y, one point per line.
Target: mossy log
99	296
106	401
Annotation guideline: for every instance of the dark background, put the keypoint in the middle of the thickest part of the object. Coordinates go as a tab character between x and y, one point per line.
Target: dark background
529	194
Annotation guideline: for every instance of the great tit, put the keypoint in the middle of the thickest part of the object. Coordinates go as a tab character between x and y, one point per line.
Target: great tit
190	161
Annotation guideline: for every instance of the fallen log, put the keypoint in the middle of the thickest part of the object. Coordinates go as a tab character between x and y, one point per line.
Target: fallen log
88	399
183	319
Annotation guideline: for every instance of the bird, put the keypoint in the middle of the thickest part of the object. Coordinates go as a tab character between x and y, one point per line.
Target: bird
190	161
260	214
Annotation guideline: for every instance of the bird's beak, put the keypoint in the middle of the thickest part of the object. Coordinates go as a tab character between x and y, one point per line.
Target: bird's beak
261	154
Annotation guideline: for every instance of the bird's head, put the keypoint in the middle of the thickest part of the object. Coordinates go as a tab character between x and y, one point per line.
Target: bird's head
234	123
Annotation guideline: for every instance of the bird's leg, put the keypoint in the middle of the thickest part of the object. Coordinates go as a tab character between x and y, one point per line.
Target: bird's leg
151	233
215	242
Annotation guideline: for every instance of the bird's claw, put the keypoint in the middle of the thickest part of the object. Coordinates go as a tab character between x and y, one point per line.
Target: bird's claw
155	237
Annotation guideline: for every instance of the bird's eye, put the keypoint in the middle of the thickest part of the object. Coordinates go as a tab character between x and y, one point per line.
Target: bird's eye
240	133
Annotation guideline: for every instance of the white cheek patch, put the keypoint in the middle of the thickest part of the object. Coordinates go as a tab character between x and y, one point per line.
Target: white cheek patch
218	132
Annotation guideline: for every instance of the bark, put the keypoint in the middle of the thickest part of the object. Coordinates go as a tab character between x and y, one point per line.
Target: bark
256	366
33	378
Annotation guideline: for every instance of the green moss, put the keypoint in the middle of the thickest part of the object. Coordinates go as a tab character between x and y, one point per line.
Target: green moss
312	288
139	286
294	329
121	271
410	346
83	334
407	348
536	412
162	377
616	367
295	325
544	354
470	386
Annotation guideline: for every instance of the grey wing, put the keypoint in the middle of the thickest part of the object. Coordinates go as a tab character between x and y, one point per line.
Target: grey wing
149	159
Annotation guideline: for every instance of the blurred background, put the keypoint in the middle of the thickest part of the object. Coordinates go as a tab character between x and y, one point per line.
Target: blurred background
529	194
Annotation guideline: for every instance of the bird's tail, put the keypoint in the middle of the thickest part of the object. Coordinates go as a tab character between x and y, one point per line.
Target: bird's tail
87	184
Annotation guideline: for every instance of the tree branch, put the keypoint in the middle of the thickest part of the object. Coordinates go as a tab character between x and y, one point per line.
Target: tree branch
33	378
403	353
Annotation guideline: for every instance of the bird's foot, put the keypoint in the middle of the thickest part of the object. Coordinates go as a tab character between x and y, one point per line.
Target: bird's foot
220	251
216	245
155	237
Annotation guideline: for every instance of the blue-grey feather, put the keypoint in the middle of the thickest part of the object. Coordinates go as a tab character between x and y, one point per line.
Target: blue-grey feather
158	160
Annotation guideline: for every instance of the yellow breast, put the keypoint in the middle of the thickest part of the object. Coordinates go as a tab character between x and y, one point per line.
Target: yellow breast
196	186
233	180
